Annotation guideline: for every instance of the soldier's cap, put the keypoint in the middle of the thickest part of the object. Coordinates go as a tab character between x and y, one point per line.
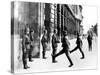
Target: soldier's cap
65	32
78	34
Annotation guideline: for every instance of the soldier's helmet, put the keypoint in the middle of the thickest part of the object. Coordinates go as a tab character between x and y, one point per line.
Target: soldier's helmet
65	33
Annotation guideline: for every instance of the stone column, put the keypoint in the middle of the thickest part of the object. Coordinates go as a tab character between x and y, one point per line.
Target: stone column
59	20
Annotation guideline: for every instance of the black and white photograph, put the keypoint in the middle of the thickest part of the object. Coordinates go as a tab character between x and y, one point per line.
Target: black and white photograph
49	37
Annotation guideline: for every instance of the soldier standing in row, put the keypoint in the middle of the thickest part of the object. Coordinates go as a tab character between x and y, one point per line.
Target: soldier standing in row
65	45
44	42
25	47
31	45
54	44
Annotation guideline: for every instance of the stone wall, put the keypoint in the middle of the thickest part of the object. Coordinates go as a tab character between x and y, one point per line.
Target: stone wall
24	13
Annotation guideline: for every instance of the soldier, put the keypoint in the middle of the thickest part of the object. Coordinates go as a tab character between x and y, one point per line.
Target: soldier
54	45
65	45
79	46
44	42
25	48
31	45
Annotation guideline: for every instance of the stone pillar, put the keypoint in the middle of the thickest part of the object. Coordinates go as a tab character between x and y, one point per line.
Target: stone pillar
41	23
59	20
62	20
47	19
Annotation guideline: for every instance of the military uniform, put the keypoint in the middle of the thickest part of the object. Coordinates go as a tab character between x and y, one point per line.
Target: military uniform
31	46
44	45
25	49
54	46
65	45
79	46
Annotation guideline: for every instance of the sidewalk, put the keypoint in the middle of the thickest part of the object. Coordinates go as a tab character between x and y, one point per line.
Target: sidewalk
43	65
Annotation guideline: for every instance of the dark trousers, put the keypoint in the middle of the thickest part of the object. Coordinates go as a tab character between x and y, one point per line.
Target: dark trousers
90	44
78	47
44	52
24	57
30	53
64	50
54	53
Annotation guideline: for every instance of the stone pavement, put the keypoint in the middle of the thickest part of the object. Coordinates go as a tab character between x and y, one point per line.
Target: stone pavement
43	65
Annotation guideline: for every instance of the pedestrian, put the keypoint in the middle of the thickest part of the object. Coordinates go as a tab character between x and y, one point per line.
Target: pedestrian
44	42
54	44
65	45
89	39
79	46
25	48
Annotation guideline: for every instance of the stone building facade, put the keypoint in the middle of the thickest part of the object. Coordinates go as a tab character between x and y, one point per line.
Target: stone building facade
62	17
42	16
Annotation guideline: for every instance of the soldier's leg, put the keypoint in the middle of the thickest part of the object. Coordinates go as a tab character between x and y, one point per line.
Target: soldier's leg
81	53
74	49
43	53
61	52
54	53
23	57
71	63
54	56
30	53
91	45
26	56
25	60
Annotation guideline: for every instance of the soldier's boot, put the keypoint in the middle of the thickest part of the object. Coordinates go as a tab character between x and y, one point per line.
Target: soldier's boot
30	54
25	65
30	58
53	58
82	54
70	65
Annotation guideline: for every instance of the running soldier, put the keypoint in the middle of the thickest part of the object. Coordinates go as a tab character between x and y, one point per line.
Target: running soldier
65	45
79	46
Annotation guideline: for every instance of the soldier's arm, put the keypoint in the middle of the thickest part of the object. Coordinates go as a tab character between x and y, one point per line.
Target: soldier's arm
23	43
